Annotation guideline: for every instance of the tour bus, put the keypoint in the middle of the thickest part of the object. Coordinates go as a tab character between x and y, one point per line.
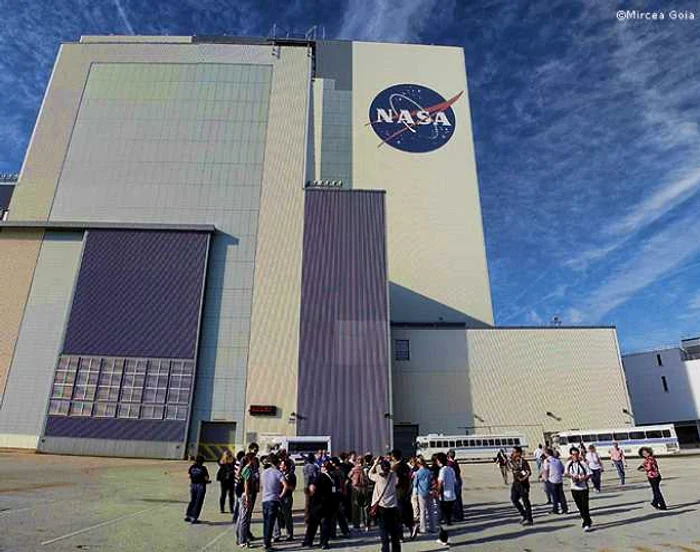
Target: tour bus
661	438
297	447
469	448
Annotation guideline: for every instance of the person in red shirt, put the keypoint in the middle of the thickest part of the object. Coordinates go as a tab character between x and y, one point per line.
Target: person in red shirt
651	467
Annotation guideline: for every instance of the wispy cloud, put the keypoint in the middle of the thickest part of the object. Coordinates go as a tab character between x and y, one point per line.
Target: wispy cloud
391	20
123	17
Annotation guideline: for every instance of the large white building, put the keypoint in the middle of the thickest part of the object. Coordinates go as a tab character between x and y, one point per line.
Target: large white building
216	238
664	387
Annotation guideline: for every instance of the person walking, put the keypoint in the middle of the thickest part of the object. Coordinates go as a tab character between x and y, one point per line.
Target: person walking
386	504
422	488
360	495
250	483
226	477
199	479
553	470
237	489
543	476
321	507
596	465
579	473
274	489
501	461
617	455
651	467
520	489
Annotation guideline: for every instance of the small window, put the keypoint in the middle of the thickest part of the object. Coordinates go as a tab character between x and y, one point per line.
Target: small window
517	441
510	441
563	440
402	349
664	383
432	444
605	437
666	433
59	408
460	443
81	409
477	442
127	410
588	438
452	444
637	435
471	443
498	442
658	360
621	436
105	410
175	412
491	442
655	434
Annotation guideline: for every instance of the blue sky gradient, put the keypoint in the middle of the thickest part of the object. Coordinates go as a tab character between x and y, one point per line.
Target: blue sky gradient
586	128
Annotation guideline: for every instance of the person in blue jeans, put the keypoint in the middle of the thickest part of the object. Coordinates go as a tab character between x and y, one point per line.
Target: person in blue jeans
617	456
274	489
199	479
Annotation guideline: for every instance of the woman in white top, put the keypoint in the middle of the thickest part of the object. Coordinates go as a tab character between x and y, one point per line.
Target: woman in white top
596	466
384	498
579	473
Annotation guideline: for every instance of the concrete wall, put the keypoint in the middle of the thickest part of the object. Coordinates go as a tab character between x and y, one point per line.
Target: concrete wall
651	404
19	250
508	379
437	258
40	339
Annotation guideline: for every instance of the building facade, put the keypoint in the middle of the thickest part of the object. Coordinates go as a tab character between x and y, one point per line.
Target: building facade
215	240
664	388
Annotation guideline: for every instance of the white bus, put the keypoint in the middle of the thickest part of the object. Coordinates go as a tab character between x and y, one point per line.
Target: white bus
469	448
298	447
661	438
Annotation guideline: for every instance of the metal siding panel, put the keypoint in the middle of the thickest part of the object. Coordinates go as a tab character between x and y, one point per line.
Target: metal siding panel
116	429
138	295
38	345
113	448
344	321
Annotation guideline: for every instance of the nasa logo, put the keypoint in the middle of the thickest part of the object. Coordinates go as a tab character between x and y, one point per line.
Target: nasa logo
412	118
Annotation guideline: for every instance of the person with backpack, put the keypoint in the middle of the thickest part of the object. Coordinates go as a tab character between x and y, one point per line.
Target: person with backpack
199	479
579	473
226	477
385	505
651	467
360	494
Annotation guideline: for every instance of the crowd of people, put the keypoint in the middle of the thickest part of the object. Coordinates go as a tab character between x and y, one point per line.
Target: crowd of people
402	497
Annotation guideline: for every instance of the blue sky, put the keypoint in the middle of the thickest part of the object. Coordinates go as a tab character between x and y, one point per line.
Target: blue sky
586	128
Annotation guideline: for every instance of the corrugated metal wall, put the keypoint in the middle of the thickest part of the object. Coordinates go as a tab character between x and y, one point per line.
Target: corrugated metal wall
344	358
138	295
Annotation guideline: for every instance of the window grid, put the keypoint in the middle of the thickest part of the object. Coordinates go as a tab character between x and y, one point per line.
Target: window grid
402	349
152	389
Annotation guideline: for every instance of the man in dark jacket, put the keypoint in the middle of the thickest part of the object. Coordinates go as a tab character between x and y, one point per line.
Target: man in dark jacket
321	507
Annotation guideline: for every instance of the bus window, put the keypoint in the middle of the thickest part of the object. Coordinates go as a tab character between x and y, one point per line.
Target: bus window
517	440
666	433
563	440
655	434
637	435
588	438
460	443
432	444
452	444
605	437
490	442
479	442
621	436
497	442
510	442
469	444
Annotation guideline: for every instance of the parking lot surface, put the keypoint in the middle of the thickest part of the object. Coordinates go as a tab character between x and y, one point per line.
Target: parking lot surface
60	503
